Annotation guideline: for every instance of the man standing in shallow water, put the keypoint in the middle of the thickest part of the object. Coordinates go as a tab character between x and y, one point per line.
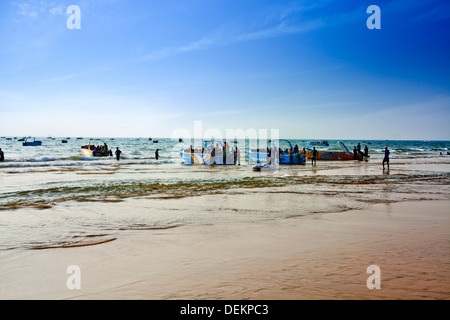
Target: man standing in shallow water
386	157
118	152
2	156
314	155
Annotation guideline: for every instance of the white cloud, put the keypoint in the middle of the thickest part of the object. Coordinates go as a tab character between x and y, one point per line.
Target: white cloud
56	11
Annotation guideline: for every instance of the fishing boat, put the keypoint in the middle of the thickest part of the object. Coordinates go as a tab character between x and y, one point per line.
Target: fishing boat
345	154
211	153
318	143
91	150
31	142
281	157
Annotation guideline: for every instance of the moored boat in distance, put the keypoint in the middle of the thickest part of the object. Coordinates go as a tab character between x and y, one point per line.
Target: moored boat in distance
91	150
31	142
323	143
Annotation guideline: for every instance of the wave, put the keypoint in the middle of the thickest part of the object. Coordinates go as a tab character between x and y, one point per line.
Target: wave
80	162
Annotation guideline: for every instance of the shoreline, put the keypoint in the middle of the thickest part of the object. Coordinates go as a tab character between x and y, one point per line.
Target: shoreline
321	256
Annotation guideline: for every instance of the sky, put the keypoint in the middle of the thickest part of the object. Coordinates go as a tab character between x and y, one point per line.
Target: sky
148	68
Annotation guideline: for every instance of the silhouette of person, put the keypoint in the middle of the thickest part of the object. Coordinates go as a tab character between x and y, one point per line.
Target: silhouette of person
118	152
314	155
386	157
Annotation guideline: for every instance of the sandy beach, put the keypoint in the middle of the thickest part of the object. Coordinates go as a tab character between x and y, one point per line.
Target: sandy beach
322	256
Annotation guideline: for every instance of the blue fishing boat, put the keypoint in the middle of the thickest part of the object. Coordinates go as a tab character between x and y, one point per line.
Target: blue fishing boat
31	142
281	156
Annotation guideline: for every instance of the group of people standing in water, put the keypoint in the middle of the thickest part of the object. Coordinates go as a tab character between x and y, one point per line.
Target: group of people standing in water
227	154
357	151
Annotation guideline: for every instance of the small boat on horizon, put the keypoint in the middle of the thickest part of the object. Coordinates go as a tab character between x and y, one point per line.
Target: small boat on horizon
31	142
323	143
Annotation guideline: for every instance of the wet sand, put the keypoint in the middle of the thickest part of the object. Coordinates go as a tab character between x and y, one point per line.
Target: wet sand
322	256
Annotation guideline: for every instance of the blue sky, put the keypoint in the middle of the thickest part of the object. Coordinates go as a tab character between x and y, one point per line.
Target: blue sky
141	68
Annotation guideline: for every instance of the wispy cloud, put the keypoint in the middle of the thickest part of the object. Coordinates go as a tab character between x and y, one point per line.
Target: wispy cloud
435	14
58	79
27	9
56	11
279	22
282	29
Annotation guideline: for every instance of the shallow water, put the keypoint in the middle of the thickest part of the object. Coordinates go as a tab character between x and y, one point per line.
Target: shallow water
52	198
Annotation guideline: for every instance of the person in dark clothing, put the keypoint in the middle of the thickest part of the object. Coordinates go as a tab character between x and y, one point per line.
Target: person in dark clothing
157	154
291	156
386	157
314	155
366	151
355	153
118	152
2	155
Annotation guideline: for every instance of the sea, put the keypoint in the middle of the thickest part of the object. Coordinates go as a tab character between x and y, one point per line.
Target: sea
52	197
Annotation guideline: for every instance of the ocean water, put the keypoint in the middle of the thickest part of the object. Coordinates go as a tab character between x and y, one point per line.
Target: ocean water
51	197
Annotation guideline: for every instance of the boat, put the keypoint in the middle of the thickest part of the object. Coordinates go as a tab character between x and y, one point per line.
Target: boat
265	167
98	151
64	141
345	154
155	141
282	157
21	139
31	142
205	155
318	143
